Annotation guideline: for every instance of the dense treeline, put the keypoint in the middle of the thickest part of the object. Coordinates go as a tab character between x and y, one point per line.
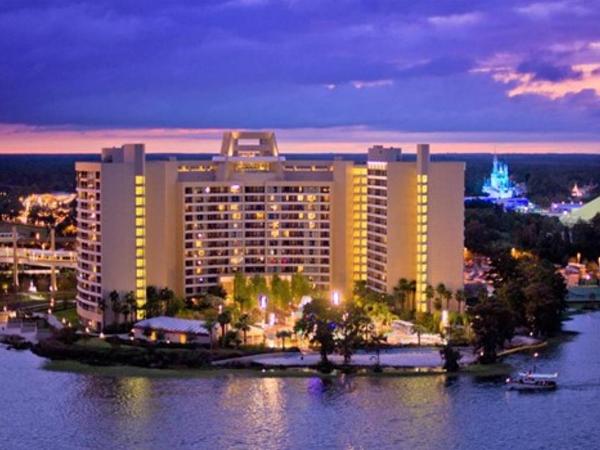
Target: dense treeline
548	177
489	230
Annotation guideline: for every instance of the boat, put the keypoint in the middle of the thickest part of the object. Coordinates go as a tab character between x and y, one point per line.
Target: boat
532	381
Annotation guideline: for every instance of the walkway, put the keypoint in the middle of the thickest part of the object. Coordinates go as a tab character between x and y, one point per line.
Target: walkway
425	357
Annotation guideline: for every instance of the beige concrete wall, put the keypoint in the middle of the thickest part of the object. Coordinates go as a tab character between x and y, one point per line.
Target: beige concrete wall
118	229
446	223
401	222
163	213
341	228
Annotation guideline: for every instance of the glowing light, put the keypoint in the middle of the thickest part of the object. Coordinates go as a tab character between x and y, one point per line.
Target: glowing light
263	301
335	298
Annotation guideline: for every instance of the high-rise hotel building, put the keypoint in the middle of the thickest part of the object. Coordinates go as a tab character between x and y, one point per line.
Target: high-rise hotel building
189	225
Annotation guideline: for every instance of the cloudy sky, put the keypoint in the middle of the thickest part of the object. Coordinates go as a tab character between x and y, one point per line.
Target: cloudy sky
326	75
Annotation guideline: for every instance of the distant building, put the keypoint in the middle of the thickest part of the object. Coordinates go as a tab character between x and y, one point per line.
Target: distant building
576	192
189	225
581	192
499	184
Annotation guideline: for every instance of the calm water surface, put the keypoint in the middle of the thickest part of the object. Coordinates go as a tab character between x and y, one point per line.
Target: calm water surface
56	410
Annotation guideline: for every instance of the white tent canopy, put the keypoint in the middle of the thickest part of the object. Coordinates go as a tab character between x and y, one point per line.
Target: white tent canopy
174	325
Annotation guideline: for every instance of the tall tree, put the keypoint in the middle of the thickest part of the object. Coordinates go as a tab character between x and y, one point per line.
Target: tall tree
153	306
400	294
351	331
283	335
210	321
224	319
460	298
492	322
115	304
258	287
300	287
241	292
243	325
318	323
131	305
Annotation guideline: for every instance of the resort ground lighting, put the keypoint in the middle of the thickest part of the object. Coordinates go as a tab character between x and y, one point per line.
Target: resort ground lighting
263	301
336	298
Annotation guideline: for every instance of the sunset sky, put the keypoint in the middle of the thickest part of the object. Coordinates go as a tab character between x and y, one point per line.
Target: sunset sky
326	75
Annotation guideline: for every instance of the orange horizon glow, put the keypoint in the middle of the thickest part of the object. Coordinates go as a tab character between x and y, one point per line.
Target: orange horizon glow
22	139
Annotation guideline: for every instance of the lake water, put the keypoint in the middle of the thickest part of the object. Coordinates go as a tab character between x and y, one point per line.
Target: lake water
59	410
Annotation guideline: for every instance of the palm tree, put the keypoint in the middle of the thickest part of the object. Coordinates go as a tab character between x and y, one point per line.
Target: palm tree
400	292
124	309
102	308
283	335
429	294
115	304
224	319
209	323
419	329
243	325
412	289
444	295
440	290
460	298
376	340
131	305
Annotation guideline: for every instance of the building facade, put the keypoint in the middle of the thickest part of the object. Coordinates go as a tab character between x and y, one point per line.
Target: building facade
190	225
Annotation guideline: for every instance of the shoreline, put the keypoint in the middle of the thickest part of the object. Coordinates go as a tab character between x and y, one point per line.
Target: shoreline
109	362
76	367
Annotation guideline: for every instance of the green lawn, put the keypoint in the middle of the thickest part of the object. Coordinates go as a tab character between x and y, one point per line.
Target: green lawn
69	314
93	343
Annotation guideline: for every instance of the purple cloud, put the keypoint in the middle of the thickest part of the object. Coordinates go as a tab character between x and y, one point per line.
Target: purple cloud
406	66
547	71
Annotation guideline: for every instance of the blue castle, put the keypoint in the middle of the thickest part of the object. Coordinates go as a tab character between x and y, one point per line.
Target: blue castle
499	185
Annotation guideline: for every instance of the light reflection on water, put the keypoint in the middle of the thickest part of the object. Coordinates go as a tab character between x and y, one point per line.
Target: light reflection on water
54	410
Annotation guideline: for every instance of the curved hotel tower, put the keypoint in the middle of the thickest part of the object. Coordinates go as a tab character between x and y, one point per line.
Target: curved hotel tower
190	225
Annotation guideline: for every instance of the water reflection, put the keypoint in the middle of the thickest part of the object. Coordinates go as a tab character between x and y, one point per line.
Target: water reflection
54	410
327	388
